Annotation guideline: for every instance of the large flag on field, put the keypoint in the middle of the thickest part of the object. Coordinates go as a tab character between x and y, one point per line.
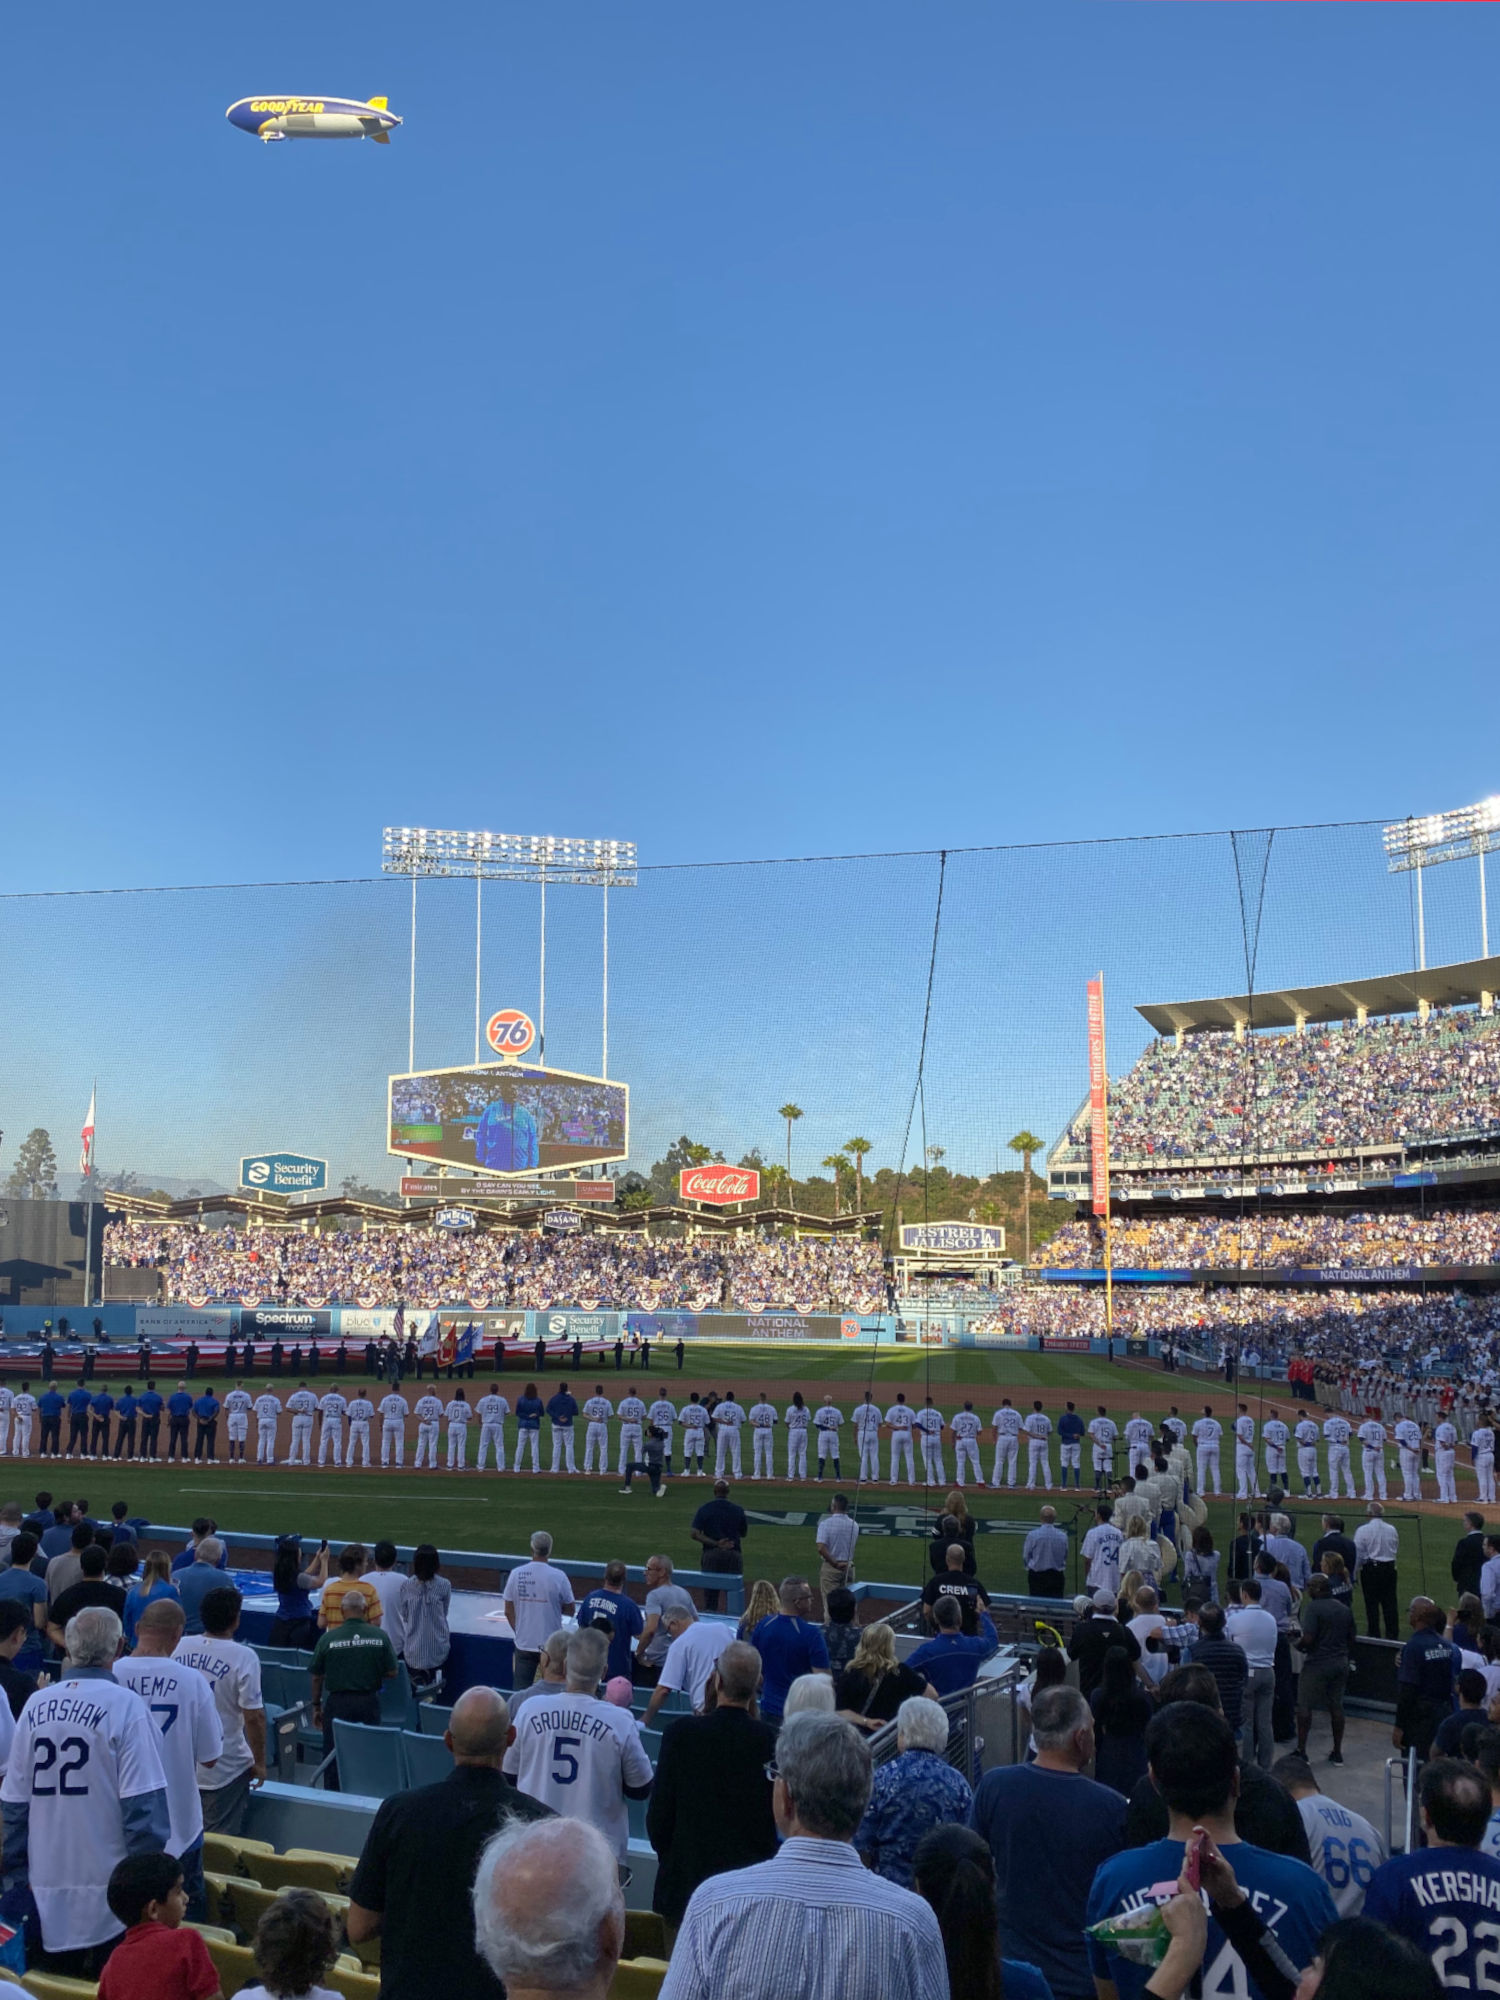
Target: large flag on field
86	1155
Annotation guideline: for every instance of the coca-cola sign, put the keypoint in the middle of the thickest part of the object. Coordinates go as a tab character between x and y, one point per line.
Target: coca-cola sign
719	1186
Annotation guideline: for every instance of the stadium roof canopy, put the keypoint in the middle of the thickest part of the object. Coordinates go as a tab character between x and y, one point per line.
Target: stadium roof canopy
1346	1000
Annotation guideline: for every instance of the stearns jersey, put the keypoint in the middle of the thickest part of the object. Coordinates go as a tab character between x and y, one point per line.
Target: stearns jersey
81	1749
492	1409
189	1733
576	1754
393	1409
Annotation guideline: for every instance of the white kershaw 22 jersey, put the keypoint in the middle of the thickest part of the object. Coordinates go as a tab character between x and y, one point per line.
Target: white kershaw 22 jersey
1007	1422
576	1754
80	1750
189	1731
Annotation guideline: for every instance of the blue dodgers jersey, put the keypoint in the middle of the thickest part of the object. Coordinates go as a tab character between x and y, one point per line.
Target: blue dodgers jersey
1293	1901
1447	1901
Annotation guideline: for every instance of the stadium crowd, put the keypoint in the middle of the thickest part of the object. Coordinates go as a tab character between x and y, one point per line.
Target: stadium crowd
385	1266
1278	1239
1148	1846
1390	1082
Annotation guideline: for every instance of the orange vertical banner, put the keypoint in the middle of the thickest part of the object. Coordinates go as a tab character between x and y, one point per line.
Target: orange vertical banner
1098	1099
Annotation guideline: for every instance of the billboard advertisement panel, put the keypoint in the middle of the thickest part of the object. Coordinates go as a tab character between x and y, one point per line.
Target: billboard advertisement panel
508	1119
284	1173
943	1238
719	1186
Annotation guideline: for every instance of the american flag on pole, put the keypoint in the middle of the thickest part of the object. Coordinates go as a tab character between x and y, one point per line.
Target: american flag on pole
86	1156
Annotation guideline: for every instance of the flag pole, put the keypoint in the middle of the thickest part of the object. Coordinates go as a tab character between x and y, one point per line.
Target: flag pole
88	1214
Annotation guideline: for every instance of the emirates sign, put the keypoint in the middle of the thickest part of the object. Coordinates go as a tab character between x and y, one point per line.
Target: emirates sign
719	1187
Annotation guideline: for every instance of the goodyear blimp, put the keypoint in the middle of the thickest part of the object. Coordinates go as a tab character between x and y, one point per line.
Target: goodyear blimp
315	118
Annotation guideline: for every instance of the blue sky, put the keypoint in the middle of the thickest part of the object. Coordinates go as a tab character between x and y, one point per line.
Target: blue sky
791	432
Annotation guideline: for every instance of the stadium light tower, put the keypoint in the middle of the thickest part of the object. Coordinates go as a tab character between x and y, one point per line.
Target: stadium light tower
506	857
1415	844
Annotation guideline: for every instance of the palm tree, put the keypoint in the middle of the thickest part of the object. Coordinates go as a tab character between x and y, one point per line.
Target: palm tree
857	1148
791	1113
836	1163
1026	1143
934	1154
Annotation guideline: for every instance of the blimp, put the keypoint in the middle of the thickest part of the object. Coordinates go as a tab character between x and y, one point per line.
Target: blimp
315	118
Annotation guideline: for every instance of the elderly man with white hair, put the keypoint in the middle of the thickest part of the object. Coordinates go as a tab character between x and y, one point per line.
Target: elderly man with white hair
537	1599
916	1791
813	1923
691	1658
548	1913
84	1787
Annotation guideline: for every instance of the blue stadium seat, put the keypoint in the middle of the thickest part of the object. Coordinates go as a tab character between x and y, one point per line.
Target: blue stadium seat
432	1720
428	1758
398	1707
278	1656
637	1818
369	1759
651	1744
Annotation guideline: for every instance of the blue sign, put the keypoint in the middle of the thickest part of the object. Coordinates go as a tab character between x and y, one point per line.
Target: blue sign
283	1173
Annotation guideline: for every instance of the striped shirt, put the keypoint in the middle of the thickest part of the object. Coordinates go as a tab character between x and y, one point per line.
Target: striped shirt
812	1924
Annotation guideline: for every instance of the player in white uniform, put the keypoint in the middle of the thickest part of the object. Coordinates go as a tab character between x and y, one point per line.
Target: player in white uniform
189	1732
1246	1482
1444	1456
1482	1444
1103	1430
1409	1457
694	1420
798	1418
900	1417
1173	1428
361	1410
1338	1430
929	1423
302	1404
1207	1432
597	1412
966	1427
335	1408
581	1756
1138	1436
237	1406
23	1416
1371	1435
458	1416
728	1416
1007	1426
429	1416
762	1427
867	1436
493	1410
632	1414
7	1398
267	1415
1038	1428
393	1415
85	1762
828	1422
1307	1435
661	1416
1275	1436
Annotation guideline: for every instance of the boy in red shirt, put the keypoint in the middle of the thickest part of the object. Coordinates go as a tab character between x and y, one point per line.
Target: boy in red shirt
155	1960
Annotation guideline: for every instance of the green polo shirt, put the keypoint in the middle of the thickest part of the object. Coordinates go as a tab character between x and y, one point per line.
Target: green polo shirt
354	1658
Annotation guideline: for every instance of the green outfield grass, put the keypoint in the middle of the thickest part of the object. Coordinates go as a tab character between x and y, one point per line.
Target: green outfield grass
591	1521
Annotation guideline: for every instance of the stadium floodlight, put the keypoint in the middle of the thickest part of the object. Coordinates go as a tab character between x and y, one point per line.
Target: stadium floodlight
506	857
1414	844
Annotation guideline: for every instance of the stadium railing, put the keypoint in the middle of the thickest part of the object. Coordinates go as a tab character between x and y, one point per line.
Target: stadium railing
984	1726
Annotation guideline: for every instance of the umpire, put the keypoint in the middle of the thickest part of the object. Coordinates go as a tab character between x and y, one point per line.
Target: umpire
349	1665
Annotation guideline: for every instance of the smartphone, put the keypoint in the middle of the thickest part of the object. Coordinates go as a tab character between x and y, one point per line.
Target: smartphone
1193	1862
324	1543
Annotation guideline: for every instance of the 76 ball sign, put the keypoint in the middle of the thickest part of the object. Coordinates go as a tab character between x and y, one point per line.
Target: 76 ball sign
510	1033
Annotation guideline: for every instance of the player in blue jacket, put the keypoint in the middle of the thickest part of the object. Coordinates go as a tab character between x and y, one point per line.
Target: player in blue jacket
562	1410
1070	1436
179	1409
125	1415
529	1427
79	1400
151	1405
206	1410
50	1407
101	1407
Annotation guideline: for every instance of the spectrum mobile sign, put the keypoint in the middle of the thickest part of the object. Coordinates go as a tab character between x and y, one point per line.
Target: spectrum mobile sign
283	1173
719	1186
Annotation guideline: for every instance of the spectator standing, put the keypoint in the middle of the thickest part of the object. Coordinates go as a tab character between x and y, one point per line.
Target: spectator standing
157	1956
789	1645
1468	1556
551	1674
1442	1897
609	1602
1200	1566
537	1598
92	1591
875	1685
1255	1630
710	1808
1225	1660
662	1595
66	1567
1194	1767
19	1584
840	1932
949	1661
548	1912
16	1685
1346	1849
63	1840
720	1527
423	1601
155	1584
199	1580
967	1591
353	1558
233	1672
1122	1710
840	1633
1044	1554
181	1704
838	1533
691	1659
296	1620
1425	1675
1376	1546
1046	1822
385	1579
1092	1637
349	1664
1333	1538
1326	1642
916	1791
578	1754
954	1873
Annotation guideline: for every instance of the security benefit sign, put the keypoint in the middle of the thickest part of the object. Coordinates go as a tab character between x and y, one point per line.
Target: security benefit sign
508	1119
283	1173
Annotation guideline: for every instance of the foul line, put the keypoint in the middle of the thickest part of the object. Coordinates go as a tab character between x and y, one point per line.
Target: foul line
329	1493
